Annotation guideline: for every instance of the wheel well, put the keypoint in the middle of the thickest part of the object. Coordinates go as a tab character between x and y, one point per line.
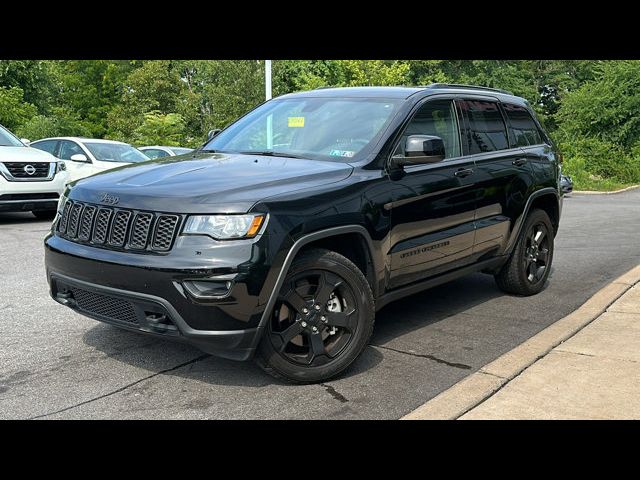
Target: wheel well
352	246
549	204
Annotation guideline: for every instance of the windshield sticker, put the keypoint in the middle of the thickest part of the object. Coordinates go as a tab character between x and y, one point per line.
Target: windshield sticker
296	122
342	153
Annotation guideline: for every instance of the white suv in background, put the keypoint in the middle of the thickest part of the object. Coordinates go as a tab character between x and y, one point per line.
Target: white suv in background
87	156
30	180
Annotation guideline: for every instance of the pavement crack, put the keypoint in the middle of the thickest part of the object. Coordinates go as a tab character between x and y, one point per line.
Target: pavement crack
429	357
334	393
121	389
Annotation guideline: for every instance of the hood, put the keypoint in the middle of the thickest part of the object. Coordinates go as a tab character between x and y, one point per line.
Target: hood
24	154
207	183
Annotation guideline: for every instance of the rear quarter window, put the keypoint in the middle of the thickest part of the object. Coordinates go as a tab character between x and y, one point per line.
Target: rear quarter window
522	128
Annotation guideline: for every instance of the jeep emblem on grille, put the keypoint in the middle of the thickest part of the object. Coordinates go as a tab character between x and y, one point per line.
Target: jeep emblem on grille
109	199
29	169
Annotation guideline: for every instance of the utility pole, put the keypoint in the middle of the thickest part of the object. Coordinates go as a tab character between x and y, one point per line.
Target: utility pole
267	79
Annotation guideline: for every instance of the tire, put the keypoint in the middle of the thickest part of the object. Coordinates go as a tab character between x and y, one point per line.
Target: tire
521	275
44	214
326	292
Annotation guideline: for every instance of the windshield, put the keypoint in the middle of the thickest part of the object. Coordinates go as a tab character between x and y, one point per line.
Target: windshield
7	139
317	128
115	152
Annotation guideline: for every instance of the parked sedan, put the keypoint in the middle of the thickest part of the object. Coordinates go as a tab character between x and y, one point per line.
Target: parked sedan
156	151
87	156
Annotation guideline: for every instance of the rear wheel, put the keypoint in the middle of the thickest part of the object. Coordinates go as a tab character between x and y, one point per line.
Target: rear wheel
530	263
44	214
322	320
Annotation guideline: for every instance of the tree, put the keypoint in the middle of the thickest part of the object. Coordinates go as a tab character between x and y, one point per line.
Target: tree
159	129
14	111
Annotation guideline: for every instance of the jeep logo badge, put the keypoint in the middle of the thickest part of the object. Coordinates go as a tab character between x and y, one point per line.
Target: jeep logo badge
109	199
29	169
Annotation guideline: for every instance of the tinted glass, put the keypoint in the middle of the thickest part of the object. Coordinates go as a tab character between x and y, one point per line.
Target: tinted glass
523	129
435	118
316	128
485	131
115	152
46	145
154	153
68	148
7	139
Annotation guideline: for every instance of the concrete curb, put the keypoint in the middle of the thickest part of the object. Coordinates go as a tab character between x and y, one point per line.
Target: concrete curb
591	192
477	387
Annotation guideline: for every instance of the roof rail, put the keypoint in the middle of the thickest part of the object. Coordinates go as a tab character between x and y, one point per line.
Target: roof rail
470	87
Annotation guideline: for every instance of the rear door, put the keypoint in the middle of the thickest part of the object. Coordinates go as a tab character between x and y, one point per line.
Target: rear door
503	174
432	212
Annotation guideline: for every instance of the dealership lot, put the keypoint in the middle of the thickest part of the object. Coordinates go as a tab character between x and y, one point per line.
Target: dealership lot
57	364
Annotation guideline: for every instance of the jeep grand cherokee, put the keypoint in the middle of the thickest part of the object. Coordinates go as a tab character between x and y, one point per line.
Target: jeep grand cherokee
282	236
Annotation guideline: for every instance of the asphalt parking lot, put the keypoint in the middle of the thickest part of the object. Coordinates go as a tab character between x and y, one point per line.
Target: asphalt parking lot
57	364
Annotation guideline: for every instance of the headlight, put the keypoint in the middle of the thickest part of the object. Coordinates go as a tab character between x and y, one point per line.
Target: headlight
225	227
60	167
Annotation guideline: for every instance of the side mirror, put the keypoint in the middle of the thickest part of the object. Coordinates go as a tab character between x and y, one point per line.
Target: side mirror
213	133
26	141
80	157
421	149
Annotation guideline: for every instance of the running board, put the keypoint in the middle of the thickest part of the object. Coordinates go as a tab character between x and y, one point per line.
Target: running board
402	292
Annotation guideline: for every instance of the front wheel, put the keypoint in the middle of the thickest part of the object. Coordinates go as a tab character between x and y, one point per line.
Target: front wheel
322	320
528	268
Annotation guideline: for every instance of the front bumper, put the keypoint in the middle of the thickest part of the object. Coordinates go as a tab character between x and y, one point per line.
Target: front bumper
29	196
145	293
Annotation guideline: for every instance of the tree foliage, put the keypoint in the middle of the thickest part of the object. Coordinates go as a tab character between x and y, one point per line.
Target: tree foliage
591	107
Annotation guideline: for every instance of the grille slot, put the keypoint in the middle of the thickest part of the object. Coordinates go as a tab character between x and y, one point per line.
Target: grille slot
165	231
140	230
17	169
74	219
102	225
86	222
64	220
117	228
105	306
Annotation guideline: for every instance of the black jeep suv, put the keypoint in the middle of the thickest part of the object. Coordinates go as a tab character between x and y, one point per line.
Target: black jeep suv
283	235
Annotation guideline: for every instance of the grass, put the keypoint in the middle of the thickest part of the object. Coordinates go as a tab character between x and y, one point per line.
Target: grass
598	185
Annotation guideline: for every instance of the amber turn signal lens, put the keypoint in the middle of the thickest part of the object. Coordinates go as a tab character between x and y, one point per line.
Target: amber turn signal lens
255	226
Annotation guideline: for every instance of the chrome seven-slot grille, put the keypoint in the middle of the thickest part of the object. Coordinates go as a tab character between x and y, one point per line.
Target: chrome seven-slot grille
118	228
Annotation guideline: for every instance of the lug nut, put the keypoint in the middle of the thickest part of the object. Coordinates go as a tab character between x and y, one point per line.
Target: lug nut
304	310
315	329
317	307
323	318
304	324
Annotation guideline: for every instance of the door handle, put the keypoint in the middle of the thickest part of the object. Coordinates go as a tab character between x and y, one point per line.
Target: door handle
518	162
463	172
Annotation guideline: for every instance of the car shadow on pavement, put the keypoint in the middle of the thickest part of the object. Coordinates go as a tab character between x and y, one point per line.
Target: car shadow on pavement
19	218
433	305
165	357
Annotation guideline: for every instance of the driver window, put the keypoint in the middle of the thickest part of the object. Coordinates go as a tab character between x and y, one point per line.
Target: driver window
436	118
68	148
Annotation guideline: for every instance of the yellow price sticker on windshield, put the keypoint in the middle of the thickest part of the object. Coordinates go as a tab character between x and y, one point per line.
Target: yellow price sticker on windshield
296	122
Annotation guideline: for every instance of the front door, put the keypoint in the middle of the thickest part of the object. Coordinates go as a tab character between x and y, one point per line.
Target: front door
433	208
76	169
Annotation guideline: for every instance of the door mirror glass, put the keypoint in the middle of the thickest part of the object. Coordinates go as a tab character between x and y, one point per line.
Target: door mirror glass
421	149
79	157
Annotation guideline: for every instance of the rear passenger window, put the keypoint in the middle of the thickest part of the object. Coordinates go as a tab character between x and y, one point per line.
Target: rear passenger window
524	131
484	130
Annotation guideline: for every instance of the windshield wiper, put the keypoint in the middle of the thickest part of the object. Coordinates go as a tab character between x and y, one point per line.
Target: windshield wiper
270	153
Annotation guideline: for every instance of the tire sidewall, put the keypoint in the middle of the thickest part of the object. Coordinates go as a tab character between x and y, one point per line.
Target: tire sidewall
537	216
330	261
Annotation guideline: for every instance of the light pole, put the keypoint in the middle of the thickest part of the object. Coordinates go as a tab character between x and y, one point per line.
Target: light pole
267	79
